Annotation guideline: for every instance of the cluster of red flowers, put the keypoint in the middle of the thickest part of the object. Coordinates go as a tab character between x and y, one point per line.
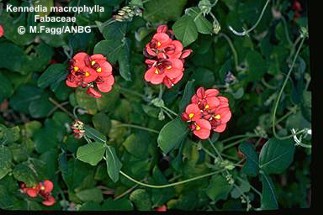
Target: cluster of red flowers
165	58
92	72
207	112
297	8
43	189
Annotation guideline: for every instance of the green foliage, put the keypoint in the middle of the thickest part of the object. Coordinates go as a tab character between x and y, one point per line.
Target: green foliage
132	151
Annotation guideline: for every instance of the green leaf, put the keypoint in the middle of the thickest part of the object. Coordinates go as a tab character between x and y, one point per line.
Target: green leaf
159	11
141	200
110	48
102	123
268	196
257	65
115	31
93	194
12	57
185	30
5	161
53	75
45	3
6	88
251	166
40	107
218	189
124	60
136	146
171	135
23	172
117	205
113	163
94	134
91	153
187	95
276	155
203	25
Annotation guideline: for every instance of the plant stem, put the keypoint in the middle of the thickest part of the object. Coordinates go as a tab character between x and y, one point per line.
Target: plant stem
132	92
125	193
234	52
169	185
282	90
169	110
61	107
246	137
246	32
138	127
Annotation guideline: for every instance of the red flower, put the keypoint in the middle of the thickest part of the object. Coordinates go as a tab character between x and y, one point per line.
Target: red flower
166	58
92	72
161	208
201	128
42	189
207	111
192	113
171	68
1	31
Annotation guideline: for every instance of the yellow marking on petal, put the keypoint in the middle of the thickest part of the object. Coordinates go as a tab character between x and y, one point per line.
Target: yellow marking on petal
217	116
169	67
158	44
42	188
99	69
157	71
198	128
87	74
191	115
93	62
75	68
207	106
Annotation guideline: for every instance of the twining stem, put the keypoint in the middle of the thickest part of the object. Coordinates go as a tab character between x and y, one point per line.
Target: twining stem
169	110
234	52
132	92
126	192
138	127
246	32
172	184
61	107
282	90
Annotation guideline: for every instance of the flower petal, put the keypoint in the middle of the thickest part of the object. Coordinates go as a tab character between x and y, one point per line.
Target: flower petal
106	85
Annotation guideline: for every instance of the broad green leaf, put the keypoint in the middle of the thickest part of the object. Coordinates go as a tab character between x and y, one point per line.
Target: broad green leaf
53	75
86	101
94	134
6	88
93	194
171	135
218	189
251	166
44	139
90	206
115	31
163	11
124	60
185	30
257	65
45	3
203	77
91	153
12	57
123	204
110	48
23	172
5	161
136	146
113	163
39	108
203	25
23	96
268	196
141	200
187	95
276	155
102	123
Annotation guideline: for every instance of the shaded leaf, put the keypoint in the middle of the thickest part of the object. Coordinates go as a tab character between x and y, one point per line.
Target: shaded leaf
171	135
251	166
91	153
268	196
94	134
141	200
276	155
187	95
53	75
113	163
93	194
218	189
185	30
